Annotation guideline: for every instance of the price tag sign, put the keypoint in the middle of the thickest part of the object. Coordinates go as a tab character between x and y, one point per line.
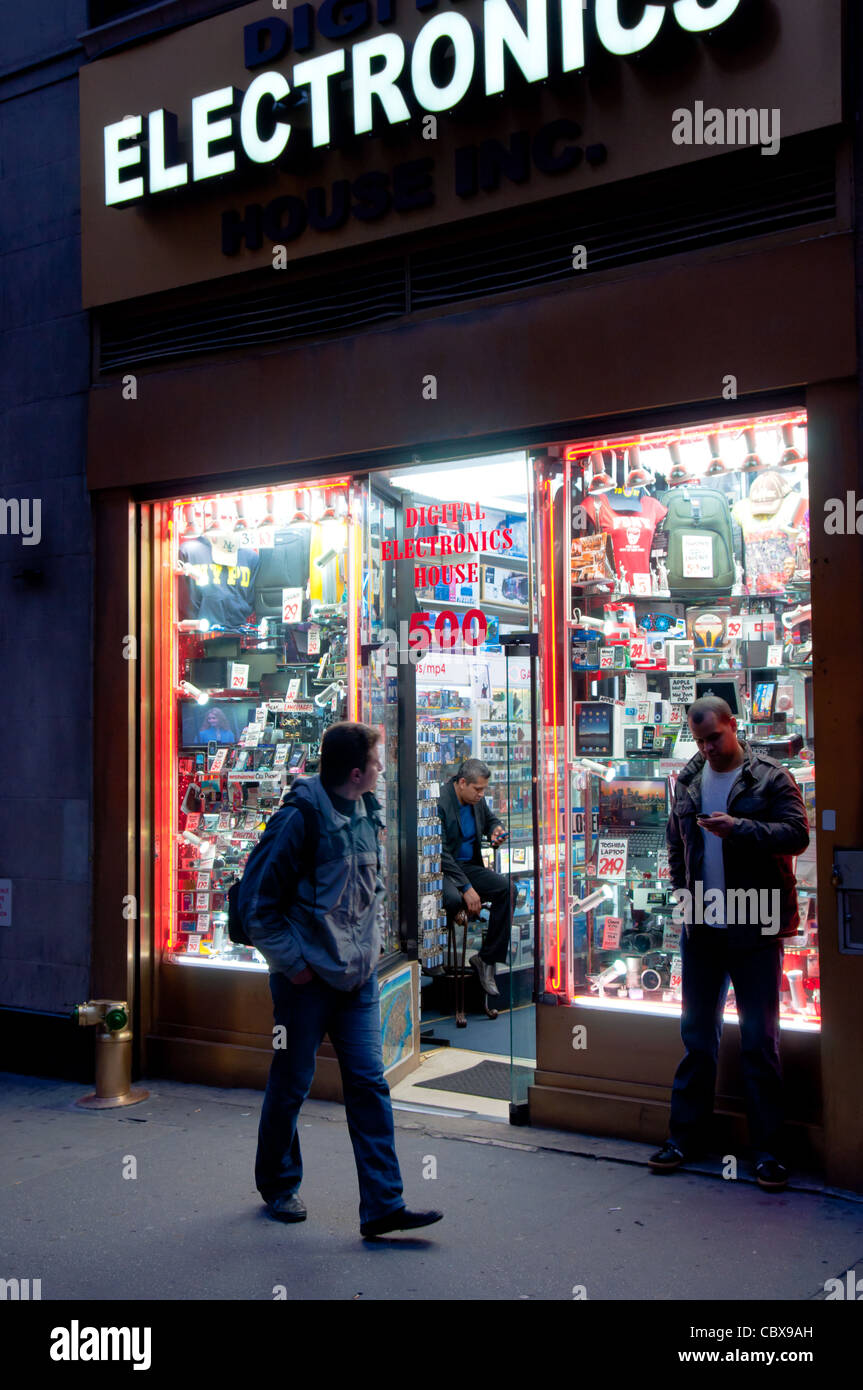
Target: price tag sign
260	716
219	760
202	902
676	980
735	628
638	649
239	675
193	945
202	882
193	820
281	755
606	658
611	858
293	691
292	605
611	927
681	690
314	640
697	557
641	583
663	872
774	654
203	923
644	711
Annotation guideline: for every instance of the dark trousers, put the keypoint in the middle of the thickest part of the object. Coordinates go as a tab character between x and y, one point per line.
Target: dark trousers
495	890
712	955
353	1022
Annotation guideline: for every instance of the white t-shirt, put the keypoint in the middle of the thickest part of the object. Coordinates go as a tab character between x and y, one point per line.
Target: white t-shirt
715	790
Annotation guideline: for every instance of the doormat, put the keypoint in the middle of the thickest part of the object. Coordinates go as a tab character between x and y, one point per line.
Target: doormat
489	1079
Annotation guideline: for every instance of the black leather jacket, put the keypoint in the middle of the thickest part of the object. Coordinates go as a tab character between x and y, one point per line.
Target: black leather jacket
771	826
448	809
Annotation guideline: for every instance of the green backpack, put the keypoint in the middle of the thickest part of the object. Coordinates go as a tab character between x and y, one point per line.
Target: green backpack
701	542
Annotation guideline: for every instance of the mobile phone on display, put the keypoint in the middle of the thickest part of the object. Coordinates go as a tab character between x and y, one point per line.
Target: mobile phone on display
648	737
297	759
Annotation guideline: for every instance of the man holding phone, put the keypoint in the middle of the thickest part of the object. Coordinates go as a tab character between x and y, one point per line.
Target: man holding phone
736	823
466	819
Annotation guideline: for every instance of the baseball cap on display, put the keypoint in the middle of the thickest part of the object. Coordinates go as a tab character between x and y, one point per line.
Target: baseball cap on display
767	492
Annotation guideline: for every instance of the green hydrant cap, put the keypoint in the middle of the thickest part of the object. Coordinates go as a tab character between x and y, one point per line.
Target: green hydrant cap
115	1018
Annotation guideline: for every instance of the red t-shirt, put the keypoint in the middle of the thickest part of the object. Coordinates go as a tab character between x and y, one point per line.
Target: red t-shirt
631	532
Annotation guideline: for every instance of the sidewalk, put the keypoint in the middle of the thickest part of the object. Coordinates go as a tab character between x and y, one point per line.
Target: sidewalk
529	1213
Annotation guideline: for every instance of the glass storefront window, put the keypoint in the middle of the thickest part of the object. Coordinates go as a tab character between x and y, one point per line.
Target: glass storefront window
672	565
257	651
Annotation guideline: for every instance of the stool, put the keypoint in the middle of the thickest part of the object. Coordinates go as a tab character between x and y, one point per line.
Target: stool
459	970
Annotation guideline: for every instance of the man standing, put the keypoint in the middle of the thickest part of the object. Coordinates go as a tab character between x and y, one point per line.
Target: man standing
736	823
309	902
467	883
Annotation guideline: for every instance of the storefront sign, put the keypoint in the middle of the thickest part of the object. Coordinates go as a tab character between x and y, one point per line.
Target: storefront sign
211	146
226	128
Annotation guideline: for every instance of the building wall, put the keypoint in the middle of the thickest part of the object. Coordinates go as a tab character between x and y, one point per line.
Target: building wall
45	615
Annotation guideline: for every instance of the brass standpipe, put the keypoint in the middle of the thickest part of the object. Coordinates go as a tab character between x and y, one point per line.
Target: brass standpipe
113	1054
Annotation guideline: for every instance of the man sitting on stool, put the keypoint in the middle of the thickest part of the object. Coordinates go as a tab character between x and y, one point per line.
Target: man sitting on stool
467	883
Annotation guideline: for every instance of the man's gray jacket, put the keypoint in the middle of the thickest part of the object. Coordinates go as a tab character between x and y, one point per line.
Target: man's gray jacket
329	920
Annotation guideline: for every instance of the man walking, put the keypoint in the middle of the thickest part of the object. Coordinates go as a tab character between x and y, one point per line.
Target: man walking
467	883
309	902
736	823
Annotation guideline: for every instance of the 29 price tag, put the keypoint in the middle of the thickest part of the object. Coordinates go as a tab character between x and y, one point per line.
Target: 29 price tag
292	605
611	859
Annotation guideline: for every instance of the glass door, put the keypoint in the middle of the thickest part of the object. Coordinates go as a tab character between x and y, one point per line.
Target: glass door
518	857
378	693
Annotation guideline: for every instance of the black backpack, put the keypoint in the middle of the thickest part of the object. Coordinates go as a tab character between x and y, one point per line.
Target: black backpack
311	838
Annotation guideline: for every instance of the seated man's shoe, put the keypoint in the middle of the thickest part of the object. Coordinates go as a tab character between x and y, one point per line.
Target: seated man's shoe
666	1159
485	970
401	1220
433	970
771	1175
290	1208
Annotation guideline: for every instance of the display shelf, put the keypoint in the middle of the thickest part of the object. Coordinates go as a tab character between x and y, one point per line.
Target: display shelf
497	610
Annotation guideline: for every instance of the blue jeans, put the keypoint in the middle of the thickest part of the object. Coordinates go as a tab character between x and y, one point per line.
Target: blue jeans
753	963
352	1020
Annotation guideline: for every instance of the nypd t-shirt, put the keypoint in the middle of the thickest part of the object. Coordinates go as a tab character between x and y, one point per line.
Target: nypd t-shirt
221	594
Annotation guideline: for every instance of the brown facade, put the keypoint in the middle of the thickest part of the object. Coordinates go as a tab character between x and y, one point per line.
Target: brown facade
525	368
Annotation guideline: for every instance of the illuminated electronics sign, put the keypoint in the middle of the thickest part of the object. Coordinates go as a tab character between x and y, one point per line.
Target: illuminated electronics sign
228	129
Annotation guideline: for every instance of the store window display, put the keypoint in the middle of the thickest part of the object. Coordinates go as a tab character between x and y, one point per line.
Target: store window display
259	655
673	565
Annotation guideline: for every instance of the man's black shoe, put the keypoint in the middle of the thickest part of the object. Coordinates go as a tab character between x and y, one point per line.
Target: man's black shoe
290	1208
485	970
771	1175
666	1159
401	1220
